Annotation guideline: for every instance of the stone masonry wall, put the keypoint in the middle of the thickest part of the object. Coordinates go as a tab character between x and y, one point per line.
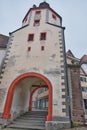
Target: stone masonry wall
77	107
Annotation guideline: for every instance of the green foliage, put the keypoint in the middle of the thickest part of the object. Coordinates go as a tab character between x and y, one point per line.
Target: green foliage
76	124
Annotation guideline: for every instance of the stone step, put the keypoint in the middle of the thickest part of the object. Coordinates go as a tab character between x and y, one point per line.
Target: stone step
32	118
29	121
29	124
27	127
39	114
38	111
35	114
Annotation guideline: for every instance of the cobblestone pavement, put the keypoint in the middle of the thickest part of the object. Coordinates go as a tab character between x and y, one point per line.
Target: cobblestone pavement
76	128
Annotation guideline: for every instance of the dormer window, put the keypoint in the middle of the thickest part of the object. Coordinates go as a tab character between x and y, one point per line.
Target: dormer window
36	22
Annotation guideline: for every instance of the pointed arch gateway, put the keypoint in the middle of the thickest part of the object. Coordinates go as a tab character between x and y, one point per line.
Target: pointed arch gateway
6	114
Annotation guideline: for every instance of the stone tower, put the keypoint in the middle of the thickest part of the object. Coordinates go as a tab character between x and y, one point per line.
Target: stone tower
35	58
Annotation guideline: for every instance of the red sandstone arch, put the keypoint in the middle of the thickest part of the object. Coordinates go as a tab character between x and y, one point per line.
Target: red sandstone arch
6	114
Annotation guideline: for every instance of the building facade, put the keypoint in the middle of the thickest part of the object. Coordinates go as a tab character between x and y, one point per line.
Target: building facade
73	73
35	59
83	80
3	46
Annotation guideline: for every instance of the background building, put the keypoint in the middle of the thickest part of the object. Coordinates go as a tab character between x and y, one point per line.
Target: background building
42	99
83	80
3	46
73	71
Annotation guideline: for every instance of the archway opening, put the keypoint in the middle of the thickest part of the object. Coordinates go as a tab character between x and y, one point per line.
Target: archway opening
20	91
39	98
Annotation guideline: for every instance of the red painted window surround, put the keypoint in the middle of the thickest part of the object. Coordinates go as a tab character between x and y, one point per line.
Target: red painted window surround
36	22
29	48
42	48
43	36
37	12
53	16
31	37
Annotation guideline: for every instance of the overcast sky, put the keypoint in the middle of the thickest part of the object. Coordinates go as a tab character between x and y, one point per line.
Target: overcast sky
73	12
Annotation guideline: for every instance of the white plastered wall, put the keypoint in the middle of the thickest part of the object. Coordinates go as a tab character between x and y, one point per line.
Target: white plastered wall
46	62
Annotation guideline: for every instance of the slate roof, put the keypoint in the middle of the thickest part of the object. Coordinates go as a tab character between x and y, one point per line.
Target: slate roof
83	59
82	72
69	53
3	41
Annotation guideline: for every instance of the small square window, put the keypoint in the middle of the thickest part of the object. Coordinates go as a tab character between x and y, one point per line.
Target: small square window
43	36
30	37
83	79
54	17
29	48
36	22
42	48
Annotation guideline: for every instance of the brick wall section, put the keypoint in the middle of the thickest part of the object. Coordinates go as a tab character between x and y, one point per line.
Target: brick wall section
77	107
